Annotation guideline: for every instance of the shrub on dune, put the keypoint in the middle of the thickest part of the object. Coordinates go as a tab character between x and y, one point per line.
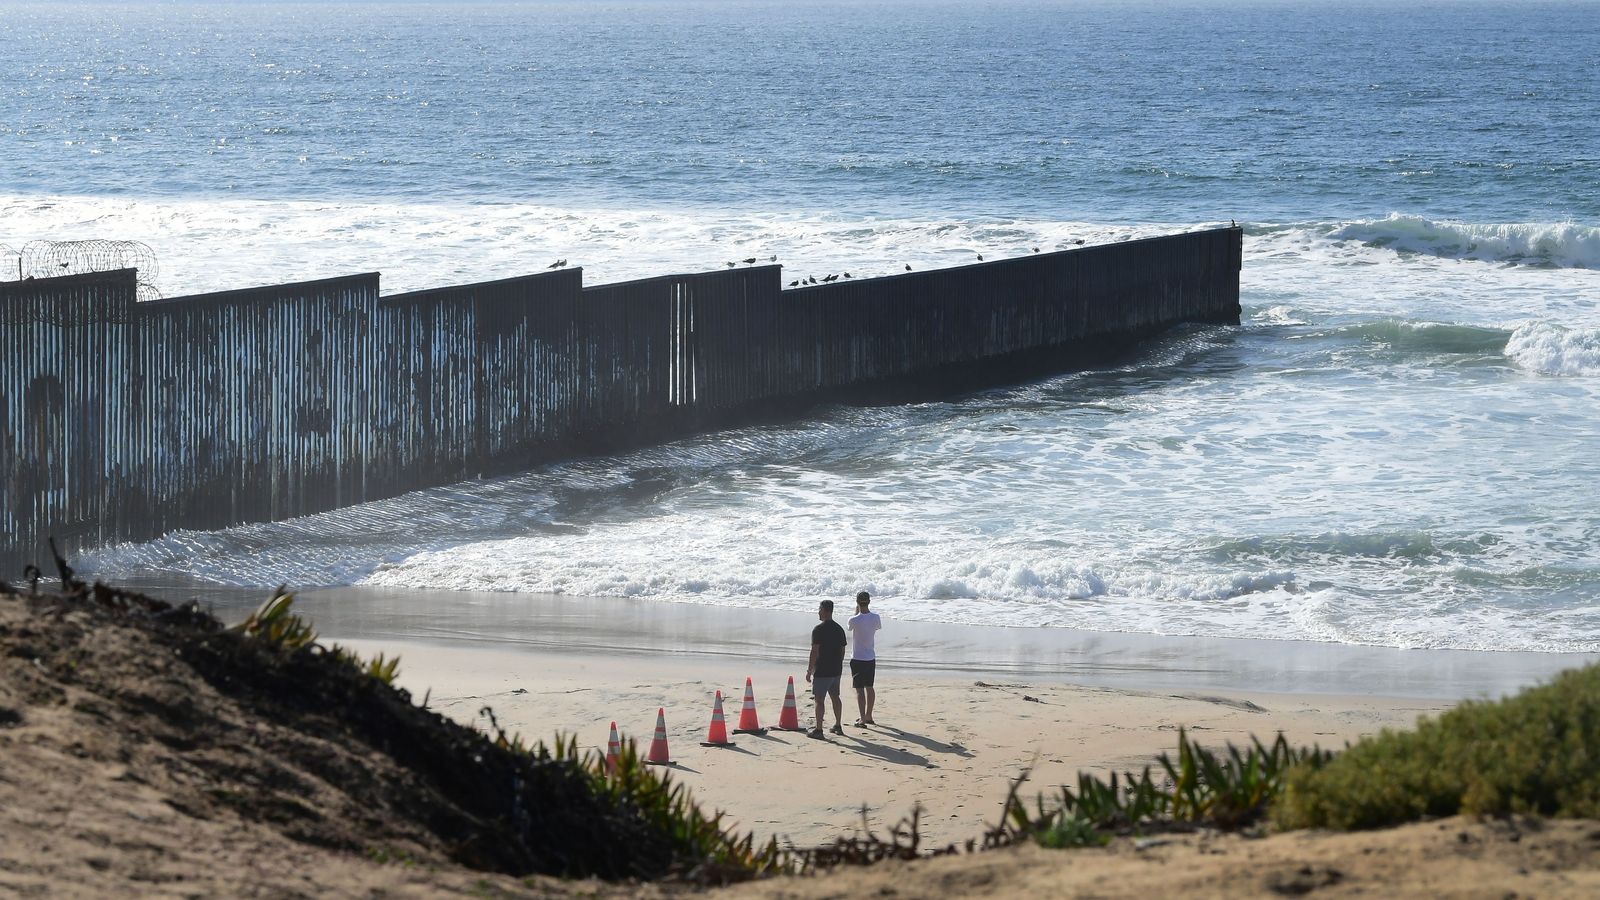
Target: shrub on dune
1537	753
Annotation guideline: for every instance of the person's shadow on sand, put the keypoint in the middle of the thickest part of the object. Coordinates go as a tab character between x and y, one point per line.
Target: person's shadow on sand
927	743
854	743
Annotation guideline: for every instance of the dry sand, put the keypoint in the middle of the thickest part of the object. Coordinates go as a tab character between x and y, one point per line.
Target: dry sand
962	710
950	743
1448	858
101	793
956	724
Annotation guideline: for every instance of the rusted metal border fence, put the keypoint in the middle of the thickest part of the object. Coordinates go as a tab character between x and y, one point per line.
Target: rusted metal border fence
121	421
251	405
65	355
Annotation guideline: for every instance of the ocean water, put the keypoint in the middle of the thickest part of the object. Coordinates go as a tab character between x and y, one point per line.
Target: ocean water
1400	446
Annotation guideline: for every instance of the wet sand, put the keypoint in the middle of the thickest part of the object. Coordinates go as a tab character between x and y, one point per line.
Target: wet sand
961	711
606	626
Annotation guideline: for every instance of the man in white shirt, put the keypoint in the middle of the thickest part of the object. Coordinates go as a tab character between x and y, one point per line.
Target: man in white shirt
864	627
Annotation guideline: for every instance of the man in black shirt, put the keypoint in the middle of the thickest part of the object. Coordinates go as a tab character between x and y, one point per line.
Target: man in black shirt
827	663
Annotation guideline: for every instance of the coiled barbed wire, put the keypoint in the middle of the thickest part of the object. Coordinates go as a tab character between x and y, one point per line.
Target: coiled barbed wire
50	259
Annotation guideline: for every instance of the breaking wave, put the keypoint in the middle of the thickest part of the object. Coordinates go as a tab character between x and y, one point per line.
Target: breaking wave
1429	337
1561	245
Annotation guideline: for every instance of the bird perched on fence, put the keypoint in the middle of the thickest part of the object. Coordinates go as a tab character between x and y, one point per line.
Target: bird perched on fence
980	257
847	274
1078	242
731	265
831	278
1036	249
812	280
772	258
557	264
794	284
750	261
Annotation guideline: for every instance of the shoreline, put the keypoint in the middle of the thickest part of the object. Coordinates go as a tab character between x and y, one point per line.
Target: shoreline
948	743
296	768
962	710
631	626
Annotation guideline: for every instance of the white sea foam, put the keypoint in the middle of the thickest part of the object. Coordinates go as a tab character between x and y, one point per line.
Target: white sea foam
1398	266
421	245
1550	349
918	578
1347	467
1042	593
1282	314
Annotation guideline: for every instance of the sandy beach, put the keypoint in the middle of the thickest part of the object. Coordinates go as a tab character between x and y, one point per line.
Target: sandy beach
162	756
961	710
947	742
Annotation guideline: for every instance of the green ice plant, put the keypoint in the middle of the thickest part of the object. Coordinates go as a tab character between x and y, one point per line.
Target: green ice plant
1071	831
382	668
277	624
668	807
1229	790
1235	789
274	623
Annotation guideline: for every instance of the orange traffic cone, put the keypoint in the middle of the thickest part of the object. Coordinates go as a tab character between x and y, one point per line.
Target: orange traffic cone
789	719
658	747
718	735
613	750
749	722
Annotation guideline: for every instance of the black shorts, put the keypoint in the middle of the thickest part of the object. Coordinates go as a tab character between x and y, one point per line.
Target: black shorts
862	672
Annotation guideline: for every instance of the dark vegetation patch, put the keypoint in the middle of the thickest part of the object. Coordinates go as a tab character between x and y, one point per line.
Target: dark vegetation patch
1302	880
1537	753
1231	790
263	722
